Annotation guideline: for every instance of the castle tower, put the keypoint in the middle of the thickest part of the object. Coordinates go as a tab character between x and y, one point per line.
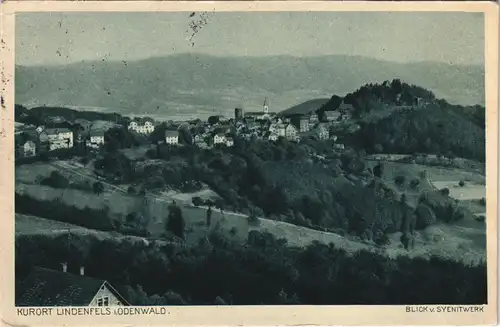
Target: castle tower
238	113
265	108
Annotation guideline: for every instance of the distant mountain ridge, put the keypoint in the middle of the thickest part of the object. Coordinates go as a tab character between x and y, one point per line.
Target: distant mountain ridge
203	84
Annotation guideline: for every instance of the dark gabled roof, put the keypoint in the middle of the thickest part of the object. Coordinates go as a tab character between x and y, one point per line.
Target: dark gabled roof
346	106
304	108
46	287
96	133
332	113
54	131
170	133
142	120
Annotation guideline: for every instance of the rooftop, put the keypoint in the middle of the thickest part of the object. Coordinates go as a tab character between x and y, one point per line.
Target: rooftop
47	287
56	130
170	133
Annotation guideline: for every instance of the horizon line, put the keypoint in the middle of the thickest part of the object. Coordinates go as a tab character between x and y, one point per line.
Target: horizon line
482	65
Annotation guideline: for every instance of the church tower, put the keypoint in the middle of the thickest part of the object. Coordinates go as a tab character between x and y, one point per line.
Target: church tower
265	108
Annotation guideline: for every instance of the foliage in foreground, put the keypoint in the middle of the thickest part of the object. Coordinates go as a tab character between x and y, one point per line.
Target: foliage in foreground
263	271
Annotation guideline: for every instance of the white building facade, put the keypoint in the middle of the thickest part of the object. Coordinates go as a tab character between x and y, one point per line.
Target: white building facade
61	138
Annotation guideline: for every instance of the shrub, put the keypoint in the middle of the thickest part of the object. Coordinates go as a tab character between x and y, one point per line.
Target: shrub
480	218
414	183
197	201
482	201
399	180
461	183
55	180
422	198
445	191
131	190
84	160
381	238
98	188
423	174
378	170
425	216
253	219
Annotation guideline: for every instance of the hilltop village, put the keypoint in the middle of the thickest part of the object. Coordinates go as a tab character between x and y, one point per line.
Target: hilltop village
292	125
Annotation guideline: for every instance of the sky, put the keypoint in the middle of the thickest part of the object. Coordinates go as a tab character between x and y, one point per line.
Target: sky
62	38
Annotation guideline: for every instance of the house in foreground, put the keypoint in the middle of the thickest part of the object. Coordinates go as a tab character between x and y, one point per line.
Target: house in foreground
49	288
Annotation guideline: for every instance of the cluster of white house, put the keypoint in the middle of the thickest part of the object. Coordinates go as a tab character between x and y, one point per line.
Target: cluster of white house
39	139
260	125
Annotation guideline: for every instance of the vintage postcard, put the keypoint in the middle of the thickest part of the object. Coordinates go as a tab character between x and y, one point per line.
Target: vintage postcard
249	163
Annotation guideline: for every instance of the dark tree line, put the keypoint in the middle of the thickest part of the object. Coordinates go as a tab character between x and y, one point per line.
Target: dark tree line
99	219
263	271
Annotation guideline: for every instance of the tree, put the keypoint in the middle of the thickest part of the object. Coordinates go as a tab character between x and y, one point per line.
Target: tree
423	174
197	201
253	219
381	238
209	217
212	120
378	170
414	183
399	180
396	86
445	191
425	216
461	183
55	180
175	222
378	148
118	138
98	188
185	136
117	165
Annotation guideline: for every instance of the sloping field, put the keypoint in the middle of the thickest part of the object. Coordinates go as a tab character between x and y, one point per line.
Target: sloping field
117	203
34	173
409	172
457	242
467	245
30	173
470	191
455	175
301	236
32	225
